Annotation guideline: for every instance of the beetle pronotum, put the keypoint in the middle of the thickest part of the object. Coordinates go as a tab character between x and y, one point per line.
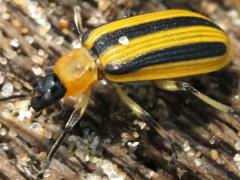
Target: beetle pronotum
156	46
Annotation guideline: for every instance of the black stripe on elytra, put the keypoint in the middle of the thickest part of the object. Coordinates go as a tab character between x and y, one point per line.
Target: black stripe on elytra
169	55
108	40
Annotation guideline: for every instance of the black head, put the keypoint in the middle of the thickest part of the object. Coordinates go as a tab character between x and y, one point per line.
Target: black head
48	90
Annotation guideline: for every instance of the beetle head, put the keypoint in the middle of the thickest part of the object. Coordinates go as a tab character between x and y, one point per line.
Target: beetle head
47	91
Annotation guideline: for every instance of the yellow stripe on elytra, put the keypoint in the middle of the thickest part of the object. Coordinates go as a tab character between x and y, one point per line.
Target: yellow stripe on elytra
136	20
173	70
139	44
161	40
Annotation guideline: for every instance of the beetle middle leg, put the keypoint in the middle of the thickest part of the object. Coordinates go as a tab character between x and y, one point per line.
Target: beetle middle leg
171	85
141	113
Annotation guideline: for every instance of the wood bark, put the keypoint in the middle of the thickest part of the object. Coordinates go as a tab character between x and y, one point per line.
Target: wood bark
207	140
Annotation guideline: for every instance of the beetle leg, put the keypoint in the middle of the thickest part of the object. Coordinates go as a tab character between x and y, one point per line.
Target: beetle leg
141	113
76	115
78	19
170	85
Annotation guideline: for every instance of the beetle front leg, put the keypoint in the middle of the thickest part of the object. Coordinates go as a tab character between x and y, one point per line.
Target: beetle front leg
75	117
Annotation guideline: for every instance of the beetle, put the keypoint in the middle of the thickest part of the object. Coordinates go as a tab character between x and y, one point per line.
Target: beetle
156	46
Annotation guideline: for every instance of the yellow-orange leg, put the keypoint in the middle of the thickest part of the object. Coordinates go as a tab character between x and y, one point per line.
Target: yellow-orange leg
170	85
78	112
141	113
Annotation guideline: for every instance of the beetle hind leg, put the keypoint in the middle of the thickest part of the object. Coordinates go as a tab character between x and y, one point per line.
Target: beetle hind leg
170	85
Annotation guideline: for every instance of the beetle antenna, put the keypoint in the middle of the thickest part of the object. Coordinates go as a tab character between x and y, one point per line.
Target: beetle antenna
3	70
78	19
25	84
28	87
15	97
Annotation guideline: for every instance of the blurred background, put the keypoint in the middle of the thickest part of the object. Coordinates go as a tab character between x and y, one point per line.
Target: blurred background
110	142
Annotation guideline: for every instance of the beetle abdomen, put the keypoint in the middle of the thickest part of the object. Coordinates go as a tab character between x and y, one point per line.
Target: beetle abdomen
166	44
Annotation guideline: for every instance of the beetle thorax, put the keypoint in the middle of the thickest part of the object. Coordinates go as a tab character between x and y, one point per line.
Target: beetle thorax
77	71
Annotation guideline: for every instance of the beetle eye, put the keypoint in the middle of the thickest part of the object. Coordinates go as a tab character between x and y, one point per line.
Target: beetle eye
53	89
55	79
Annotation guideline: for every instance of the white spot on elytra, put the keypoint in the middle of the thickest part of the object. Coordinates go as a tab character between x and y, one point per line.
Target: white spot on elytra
123	40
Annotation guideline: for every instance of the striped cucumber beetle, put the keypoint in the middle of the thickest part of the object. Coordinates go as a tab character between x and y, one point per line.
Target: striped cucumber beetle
154	47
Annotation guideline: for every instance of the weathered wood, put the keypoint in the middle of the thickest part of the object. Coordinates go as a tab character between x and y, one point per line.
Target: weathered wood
110	141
